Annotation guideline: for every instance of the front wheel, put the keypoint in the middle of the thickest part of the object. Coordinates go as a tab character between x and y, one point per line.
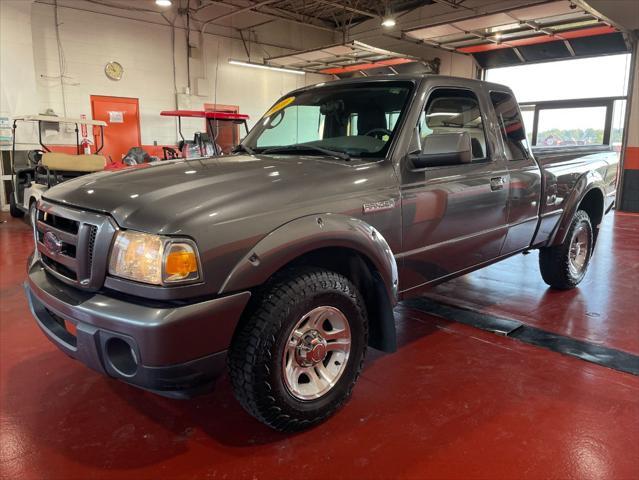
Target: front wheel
296	358
564	266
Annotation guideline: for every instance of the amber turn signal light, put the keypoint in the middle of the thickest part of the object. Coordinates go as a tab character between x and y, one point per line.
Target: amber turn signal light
180	263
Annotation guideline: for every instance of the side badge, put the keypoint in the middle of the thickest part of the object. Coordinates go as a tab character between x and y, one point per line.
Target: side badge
379	206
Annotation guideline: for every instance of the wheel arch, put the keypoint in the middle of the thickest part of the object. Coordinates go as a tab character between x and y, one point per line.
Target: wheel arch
588	195
593	203
342	244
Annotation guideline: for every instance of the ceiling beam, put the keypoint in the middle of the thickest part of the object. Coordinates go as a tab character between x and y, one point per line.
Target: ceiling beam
262	8
348	8
297	18
454	5
240	10
584	5
405	26
165	24
416	41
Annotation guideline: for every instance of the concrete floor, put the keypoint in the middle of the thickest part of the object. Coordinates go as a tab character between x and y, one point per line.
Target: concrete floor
453	402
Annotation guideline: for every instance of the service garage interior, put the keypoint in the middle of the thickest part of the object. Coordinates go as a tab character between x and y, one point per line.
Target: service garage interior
497	372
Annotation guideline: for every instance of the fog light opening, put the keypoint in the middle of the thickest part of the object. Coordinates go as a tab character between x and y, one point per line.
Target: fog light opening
121	356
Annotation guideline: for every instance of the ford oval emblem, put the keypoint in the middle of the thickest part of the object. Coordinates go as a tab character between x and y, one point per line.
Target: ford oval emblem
52	242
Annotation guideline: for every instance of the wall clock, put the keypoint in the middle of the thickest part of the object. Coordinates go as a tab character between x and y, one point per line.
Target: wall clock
114	70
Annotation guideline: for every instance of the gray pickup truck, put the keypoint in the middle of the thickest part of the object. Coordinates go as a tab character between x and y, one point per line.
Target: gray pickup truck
282	263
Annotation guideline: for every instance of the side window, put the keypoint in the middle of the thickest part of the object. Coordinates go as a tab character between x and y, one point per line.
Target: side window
455	111
511	125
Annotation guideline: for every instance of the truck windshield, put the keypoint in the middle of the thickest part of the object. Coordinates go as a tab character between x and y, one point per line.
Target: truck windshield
352	120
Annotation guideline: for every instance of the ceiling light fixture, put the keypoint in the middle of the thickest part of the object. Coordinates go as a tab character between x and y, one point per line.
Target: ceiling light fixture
265	67
163	3
388	22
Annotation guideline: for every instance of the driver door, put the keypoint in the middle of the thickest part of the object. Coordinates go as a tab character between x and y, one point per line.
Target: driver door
454	215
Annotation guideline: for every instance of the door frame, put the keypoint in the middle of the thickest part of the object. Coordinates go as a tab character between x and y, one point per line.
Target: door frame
410	179
129	100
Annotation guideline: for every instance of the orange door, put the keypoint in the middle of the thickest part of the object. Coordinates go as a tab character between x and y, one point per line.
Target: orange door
122	116
228	133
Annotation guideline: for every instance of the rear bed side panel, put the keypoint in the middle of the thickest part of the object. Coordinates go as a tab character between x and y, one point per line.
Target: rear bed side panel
568	177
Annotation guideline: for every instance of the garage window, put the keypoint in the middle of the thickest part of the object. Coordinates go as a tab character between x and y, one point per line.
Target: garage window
594	77
571	126
567	103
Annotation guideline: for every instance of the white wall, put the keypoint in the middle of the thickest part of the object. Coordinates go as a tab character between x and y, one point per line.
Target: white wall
17	72
90	40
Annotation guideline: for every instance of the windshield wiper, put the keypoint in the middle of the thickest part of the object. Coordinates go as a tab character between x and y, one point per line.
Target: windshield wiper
243	148
296	148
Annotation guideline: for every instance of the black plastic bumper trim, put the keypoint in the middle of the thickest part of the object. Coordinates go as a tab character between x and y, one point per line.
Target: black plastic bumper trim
590	352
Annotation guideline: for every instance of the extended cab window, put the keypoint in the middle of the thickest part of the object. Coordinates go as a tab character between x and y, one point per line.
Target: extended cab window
511	125
357	120
455	111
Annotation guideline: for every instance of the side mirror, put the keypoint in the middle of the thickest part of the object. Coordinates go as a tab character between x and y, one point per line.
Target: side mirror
443	149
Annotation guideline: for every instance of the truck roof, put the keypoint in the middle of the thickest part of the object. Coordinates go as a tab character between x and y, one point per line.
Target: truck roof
461	81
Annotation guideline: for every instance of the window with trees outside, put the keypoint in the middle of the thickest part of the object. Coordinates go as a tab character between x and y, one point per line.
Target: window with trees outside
570	102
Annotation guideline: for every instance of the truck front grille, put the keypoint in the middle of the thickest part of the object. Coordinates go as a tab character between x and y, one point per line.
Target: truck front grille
73	244
59	268
60	223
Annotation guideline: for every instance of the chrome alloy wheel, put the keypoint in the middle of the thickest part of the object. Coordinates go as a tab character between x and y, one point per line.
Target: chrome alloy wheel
317	353
579	250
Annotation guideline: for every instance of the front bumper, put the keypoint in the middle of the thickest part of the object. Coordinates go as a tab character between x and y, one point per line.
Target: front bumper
176	351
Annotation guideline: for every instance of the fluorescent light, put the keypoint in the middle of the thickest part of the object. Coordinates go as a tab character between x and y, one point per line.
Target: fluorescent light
388	22
265	67
163	3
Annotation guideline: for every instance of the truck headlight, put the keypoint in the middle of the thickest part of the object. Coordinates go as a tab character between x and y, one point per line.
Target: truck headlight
153	259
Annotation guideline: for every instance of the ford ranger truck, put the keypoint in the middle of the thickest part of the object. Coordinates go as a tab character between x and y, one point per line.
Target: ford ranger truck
282	263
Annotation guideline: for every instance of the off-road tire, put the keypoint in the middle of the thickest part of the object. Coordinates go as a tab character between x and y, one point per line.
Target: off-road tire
13	208
256	352
554	262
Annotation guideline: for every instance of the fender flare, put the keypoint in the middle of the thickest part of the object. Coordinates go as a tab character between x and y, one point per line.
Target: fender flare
309	233
585	184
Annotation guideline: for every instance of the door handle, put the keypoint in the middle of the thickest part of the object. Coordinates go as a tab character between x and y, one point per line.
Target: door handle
497	183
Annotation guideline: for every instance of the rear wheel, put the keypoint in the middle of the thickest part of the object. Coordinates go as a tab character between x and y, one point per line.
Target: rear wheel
294	362
13	208
564	266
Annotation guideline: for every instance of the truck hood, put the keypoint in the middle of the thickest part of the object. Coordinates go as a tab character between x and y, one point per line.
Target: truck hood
163	196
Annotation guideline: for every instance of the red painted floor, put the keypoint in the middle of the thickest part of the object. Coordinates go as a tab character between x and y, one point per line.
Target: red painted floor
602	310
453	402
